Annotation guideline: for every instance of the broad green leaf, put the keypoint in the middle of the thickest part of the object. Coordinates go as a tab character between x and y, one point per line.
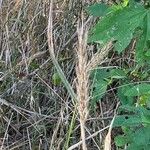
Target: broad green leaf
135	135
140	139
118	26
143	48
147	53
136	110
130	109
101	78
142	136
140	111
146	119
117	74
99	90
124	139
138	90
127	120
125	100
98	10
121	140
100	74
134	146
99	84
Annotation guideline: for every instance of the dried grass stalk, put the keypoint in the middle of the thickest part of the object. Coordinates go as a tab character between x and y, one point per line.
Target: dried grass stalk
107	142
98	57
82	81
83	68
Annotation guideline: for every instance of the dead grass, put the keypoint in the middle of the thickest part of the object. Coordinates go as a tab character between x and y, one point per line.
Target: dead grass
35	114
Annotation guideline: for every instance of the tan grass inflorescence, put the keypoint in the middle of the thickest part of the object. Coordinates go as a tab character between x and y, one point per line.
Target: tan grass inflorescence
82	80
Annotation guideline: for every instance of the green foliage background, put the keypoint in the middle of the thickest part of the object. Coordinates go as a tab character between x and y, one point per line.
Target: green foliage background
124	23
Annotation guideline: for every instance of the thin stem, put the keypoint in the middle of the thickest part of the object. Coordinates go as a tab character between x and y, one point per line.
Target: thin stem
52	54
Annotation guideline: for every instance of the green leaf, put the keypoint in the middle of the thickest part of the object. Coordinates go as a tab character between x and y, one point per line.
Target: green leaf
134	146
101	78
138	90
136	110
99	90
141	112
147	53
100	74
143	48
120	140
125	100
140	139
56	80
117	74
146	119
127	120
98	10
118	26
99	84
130	109
142	136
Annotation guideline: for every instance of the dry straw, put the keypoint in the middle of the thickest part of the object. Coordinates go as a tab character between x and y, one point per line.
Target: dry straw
83	68
82	80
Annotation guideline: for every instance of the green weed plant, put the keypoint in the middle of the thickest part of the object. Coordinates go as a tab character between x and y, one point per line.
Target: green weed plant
122	23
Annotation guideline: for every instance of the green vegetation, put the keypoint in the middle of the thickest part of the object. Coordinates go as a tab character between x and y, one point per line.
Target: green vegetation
123	24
